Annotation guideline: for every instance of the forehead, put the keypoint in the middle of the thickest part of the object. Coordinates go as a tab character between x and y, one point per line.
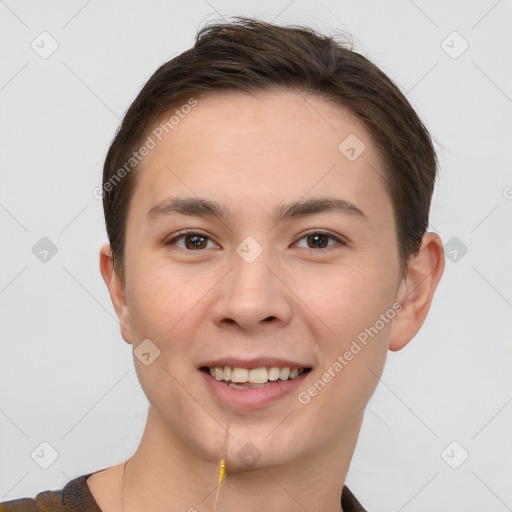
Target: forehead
262	148
266	121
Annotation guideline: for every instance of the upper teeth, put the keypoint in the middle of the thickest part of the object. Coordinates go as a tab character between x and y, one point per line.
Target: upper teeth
254	375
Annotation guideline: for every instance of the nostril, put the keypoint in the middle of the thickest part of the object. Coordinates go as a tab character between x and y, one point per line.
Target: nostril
269	318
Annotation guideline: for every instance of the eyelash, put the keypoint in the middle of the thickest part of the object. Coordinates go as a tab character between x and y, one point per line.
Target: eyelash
184	234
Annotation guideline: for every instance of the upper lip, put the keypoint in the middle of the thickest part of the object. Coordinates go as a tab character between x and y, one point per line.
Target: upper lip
259	362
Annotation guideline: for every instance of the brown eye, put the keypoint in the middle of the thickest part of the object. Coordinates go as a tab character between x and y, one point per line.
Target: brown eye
191	241
320	240
317	241
195	242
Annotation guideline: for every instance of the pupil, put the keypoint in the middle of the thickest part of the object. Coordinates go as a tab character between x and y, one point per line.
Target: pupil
316	237
196	241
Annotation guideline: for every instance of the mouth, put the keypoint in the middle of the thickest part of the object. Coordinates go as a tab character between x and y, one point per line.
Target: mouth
251	378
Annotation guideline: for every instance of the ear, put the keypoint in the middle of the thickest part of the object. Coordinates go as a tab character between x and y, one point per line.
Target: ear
417	290
116	290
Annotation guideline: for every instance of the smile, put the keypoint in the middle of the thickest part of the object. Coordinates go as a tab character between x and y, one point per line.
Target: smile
243	378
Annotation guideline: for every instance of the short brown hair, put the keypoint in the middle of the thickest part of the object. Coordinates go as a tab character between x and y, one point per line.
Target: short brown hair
249	55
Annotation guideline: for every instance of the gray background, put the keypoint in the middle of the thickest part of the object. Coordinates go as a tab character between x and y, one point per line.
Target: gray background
66	375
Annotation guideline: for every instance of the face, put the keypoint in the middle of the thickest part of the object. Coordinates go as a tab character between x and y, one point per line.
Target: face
260	283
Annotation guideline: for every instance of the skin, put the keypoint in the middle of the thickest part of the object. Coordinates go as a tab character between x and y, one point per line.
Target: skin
252	153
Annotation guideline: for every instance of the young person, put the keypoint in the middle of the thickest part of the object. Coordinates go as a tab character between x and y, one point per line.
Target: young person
266	199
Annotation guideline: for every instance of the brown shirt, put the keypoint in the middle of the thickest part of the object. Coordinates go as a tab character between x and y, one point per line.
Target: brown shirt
77	497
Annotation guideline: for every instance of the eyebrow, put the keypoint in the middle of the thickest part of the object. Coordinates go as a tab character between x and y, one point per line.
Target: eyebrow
195	206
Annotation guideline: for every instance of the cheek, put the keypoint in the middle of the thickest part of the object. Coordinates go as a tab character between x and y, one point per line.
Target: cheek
346	298
160	298
356	306
162	310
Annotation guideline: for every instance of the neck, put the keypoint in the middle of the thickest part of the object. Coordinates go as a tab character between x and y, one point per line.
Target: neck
178	480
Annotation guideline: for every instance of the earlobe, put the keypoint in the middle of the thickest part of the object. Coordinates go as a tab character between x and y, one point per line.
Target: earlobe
417	290
116	290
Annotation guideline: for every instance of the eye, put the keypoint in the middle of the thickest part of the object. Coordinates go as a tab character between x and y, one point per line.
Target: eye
192	241
319	240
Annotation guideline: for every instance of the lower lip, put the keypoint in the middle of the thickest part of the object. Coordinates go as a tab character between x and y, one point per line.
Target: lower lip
253	398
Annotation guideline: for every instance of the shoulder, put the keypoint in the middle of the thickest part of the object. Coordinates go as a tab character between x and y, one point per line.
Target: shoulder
349	502
75	496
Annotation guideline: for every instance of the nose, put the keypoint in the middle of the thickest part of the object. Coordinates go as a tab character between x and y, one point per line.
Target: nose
252	295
